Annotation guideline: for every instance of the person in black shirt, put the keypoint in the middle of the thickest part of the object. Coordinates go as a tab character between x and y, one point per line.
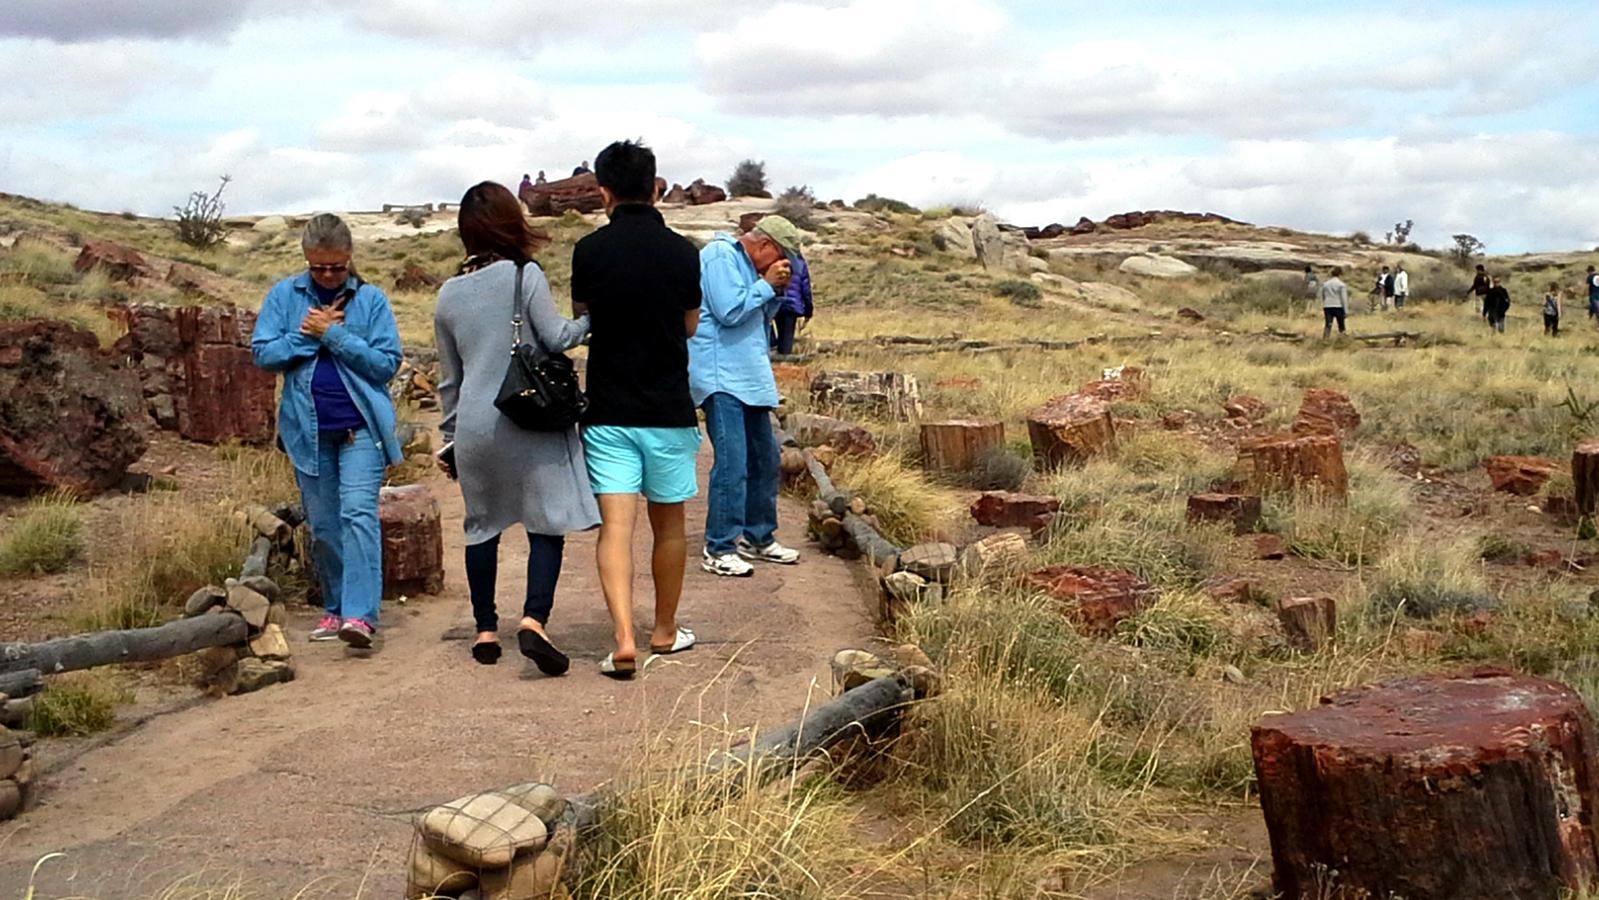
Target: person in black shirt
639	282
1497	300
1479	289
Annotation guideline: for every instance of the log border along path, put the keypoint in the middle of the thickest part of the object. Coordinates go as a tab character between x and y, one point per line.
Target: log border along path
311	785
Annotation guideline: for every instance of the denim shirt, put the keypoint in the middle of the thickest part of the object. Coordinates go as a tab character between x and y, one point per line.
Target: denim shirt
365	348
728	354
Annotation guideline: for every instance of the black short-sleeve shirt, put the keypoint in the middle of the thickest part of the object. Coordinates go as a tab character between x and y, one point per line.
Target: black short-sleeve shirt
637	277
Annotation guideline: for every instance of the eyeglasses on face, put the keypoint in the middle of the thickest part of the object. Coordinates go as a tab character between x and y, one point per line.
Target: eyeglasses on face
329	269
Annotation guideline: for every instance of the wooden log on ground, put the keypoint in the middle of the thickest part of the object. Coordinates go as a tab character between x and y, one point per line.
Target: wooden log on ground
957	445
1473	786
104	648
1585	476
836	500
21	683
871	544
891	395
1069	429
1312	462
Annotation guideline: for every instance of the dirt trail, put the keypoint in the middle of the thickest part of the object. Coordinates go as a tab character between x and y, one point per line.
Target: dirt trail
312	783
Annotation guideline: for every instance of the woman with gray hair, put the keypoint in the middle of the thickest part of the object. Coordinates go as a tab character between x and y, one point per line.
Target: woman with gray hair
334	339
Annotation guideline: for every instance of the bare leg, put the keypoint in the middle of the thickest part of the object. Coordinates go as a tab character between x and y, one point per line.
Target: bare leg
618	512
668	559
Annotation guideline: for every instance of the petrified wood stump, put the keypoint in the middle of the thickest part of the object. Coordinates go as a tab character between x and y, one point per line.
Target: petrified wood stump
413	541
1069	429
1287	462
1473	786
1241	511
956	445
1585	475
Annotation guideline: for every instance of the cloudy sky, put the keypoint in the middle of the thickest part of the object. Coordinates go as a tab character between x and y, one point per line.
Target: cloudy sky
1470	115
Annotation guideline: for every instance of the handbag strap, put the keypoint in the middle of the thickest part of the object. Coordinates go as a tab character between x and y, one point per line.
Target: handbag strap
516	318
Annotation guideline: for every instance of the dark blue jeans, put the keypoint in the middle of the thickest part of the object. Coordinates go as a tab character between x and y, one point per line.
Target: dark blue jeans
543	571
785	324
742	501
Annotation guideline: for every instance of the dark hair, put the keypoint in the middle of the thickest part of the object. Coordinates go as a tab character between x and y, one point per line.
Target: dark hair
1337	271
627	170
492	221
1480	268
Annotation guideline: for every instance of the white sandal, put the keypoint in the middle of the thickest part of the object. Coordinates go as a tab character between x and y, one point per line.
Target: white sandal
620	669
683	640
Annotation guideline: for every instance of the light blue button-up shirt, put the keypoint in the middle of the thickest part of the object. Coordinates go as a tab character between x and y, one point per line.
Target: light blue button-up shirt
728	354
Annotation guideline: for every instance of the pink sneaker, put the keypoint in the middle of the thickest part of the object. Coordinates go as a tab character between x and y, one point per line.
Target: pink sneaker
356	633
327	629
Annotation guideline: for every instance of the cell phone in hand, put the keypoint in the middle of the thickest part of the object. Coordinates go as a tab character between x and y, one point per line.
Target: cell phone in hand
446	457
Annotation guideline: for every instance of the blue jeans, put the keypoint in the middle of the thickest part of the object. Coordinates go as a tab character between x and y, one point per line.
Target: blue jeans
742	500
341	504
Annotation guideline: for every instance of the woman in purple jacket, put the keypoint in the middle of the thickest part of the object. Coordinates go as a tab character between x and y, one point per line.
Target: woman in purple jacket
796	305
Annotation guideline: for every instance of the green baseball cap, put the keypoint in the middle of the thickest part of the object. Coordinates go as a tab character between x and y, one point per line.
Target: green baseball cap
780	230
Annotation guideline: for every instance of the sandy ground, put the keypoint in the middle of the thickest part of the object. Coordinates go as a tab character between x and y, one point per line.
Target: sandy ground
313	783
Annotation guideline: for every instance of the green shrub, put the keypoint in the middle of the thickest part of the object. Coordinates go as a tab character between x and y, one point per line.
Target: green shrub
46	537
77	704
797	204
874	203
1021	293
748	179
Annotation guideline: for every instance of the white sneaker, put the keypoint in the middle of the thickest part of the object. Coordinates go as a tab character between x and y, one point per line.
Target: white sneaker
727	564
772	553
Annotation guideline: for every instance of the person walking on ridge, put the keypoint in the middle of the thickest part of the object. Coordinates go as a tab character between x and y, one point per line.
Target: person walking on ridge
1334	303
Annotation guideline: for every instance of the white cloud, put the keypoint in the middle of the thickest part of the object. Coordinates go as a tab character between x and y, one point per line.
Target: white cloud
49	82
87	20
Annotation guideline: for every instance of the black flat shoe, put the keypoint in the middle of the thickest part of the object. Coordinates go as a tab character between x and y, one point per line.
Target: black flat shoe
536	647
486	652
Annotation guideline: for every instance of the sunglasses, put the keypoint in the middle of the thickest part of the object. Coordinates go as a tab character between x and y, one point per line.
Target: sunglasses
331	269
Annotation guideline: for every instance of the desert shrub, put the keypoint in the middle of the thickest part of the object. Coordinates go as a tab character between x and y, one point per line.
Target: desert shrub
1220	268
1423	579
77	704
1498	547
1361	238
199	221
999	469
1256	296
1022	293
874	203
748	179
797	204
908	506
46	537
414	216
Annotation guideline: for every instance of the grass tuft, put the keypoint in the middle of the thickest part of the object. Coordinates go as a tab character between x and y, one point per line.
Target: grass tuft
47	537
77	704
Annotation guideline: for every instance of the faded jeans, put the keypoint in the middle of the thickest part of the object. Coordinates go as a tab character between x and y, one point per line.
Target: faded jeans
742	500
341	504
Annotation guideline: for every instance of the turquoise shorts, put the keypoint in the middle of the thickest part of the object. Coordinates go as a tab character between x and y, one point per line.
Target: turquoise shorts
655	462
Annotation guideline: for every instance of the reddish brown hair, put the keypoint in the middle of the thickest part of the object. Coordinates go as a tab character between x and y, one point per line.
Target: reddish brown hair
492	220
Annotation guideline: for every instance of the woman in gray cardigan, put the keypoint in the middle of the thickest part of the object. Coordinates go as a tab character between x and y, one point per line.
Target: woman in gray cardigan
508	475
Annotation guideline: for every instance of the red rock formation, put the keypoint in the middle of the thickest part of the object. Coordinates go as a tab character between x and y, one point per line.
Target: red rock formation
1084	225
1096	598
197	372
1474	786
71	417
1519	475
580	192
676	195
119	262
699	193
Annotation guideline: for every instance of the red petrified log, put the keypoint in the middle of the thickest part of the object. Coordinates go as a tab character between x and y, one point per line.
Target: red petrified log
118	262
1326	412
1520	475
1585	476
958	445
413	541
1095	597
1240	510
1003	509
1288	461
1475	786
1308	622
1070	429
580	192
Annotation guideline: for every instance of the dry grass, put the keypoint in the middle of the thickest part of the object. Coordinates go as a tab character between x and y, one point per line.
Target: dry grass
910	508
78	704
46	537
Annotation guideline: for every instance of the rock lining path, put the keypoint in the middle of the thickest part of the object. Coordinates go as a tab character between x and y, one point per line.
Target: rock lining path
310	785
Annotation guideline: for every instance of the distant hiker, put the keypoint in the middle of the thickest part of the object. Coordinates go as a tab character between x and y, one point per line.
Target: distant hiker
796	309
539	179
525	186
1374	299
1312	284
582	169
509	475
1387	284
1592	284
641	434
1498	301
1334	303
1401	286
1551	310
730	374
1479	289
334	339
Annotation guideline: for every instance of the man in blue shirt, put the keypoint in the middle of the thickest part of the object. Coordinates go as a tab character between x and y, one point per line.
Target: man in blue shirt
742	280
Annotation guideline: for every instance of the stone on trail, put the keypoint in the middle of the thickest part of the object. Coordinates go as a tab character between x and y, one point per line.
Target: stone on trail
484	830
197	372
434	874
1096	598
935	561
80	440
413	540
1523	476
271	643
247	603
255	674
1156	266
203	599
538	798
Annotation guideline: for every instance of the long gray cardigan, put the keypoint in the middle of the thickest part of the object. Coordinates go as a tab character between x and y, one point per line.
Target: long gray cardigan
508	475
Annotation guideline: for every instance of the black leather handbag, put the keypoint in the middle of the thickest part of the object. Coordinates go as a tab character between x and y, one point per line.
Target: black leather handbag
540	391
